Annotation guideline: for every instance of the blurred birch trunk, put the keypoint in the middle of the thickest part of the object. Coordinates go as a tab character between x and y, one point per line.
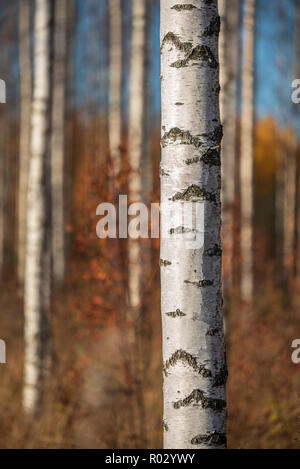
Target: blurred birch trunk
136	142
58	141
228	47
24	149
38	250
247	149
191	300
115	83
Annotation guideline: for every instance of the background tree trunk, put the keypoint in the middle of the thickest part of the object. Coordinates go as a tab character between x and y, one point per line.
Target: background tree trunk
114	113
246	165
193	340
37	265
58	141
25	108
229	49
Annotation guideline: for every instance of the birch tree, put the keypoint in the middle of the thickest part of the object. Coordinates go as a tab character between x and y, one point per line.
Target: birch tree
58	141
114	113
229	13
37	261
193	340
246	165
136	139
25	107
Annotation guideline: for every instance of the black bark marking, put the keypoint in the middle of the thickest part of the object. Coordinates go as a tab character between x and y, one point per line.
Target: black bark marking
215	251
176	314
165	426
200	52
200	283
183	136
221	377
187	359
198	397
181	230
213	27
179	104
193	194
214	439
163	172
175	40
164	263
212	332
216	135
210	157
185	7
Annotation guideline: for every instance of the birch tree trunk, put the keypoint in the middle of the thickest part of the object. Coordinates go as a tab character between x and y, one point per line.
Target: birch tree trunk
246	165
114	113
58	141
229	13
136	140
193	340
25	107
37	262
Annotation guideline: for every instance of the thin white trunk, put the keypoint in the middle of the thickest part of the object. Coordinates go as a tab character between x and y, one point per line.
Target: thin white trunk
193	339
114	113
136	139
246	166
25	107
58	141
37	261
229	13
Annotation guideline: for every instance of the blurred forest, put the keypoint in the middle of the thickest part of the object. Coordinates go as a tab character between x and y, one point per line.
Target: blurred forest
103	389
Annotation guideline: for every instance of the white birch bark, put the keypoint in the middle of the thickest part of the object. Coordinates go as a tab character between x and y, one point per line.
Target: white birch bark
37	262
228	48
25	107
193	338
136	140
58	141
246	165
114	112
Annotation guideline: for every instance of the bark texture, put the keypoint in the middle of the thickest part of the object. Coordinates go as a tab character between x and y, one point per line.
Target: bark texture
58	141
228	47
193	340
37	263
25	108
114	113
246	166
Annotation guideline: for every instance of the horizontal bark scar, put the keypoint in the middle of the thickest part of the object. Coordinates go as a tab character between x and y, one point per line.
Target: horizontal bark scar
197	397
184	7
212	332
213	438
211	157
215	136
200	52
194	194
187	359
176	314
181	230
184	137
216	251
164	263
200	283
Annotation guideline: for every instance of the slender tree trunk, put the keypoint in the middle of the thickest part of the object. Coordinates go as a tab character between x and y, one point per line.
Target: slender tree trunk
136	147
25	107
58	141
229	13
114	114
193	340
297	155
37	261
136	140
246	167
